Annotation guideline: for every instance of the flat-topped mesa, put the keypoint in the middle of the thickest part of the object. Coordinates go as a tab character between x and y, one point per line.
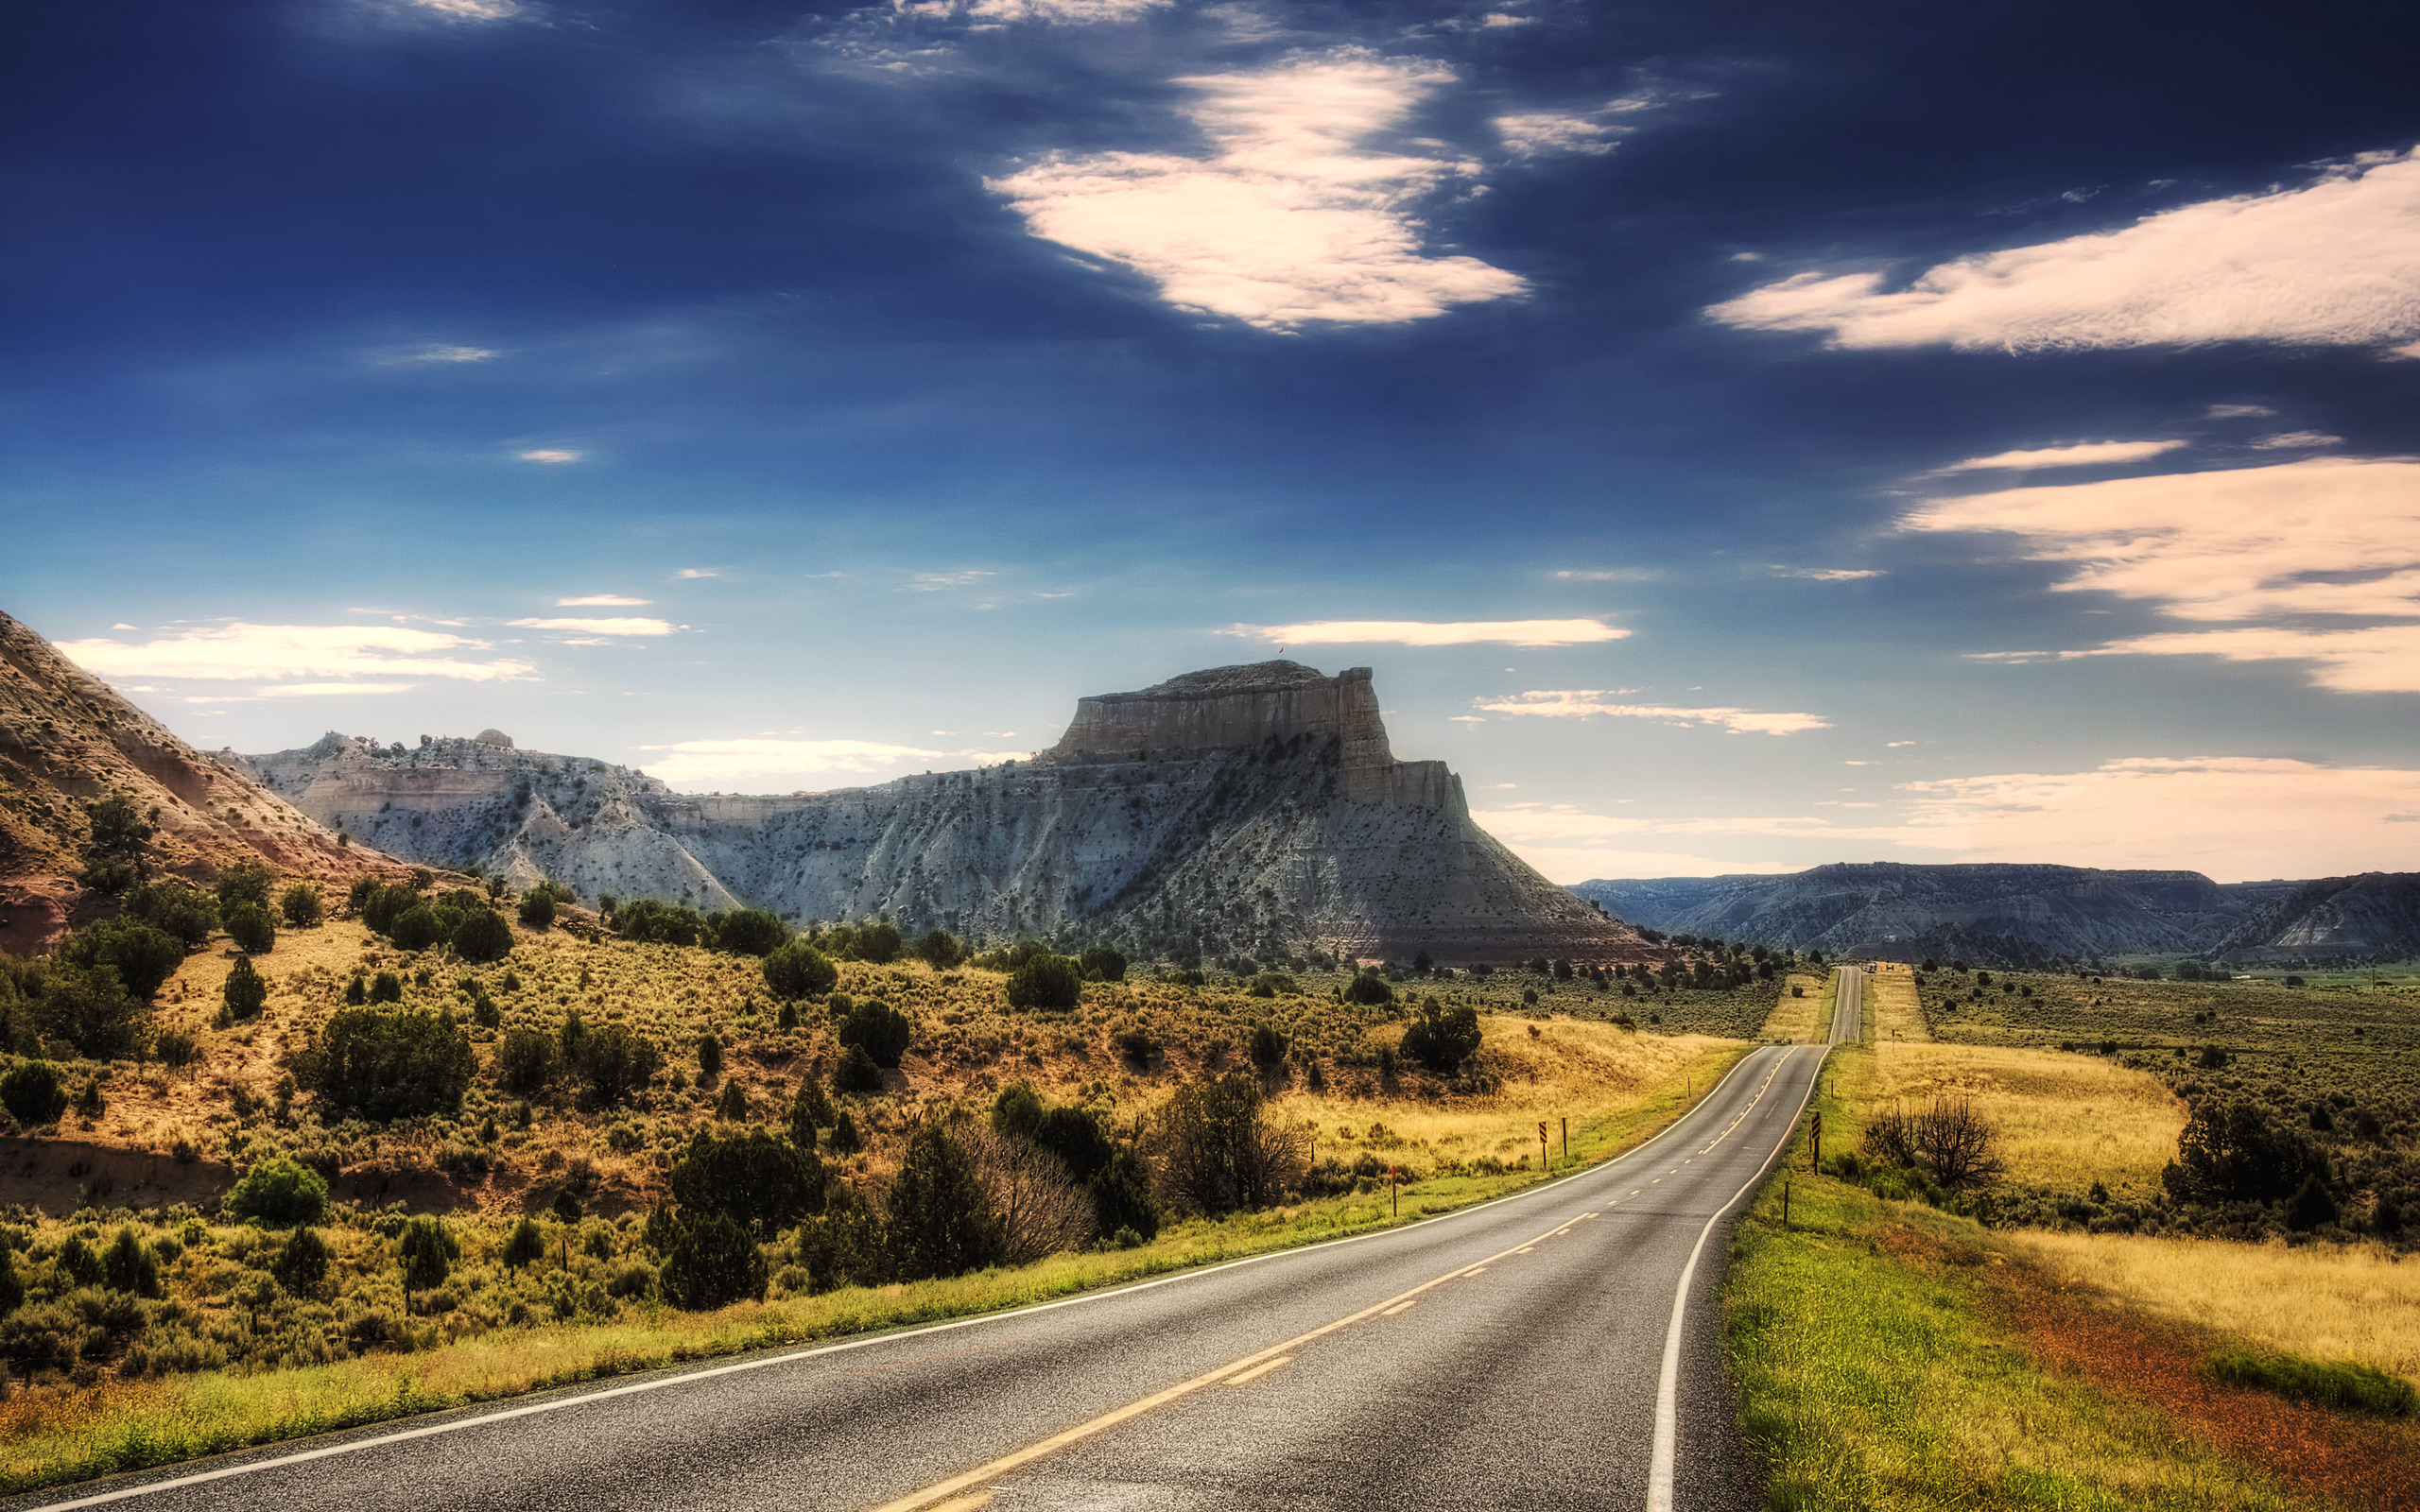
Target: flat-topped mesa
1227	707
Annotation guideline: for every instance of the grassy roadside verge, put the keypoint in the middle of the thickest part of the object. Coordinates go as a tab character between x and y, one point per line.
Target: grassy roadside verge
1888	1355
140	1424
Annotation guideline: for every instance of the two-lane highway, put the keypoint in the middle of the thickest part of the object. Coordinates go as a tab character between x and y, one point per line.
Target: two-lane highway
1556	1348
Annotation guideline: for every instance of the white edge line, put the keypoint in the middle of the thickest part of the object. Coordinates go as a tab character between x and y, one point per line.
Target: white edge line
788	1356
1668	1384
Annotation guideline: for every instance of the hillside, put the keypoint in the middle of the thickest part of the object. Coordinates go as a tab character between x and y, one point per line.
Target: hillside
1991	913
1252	809
2334	920
68	741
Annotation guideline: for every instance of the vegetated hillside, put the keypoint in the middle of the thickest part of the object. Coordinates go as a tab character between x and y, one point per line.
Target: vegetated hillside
68	741
2334	920
1989	912
1251	809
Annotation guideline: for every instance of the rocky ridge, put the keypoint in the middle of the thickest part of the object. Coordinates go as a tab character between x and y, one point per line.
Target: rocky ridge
1251	809
68	740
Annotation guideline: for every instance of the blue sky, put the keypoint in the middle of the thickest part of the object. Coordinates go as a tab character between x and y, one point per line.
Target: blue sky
1740	436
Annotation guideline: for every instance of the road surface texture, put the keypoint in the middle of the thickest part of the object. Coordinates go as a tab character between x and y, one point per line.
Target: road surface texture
1557	1349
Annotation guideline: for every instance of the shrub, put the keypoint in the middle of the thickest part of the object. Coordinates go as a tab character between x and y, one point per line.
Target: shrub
427	1249
942	1222
732	1107
382	1065
482	936
1039	1206
939	949
877	943
656	924
2344	1384
1049	983
1136	1047
710	1054
245	882
302	906
176	1049
2311	1206
128	1266
845	1138
2231	1152
524	1060
174	907
1266	1045
249	925
857	1072
1122	1201
278	1191
799	969
1370	990
1442	1038
144	957
302	1264
712	1264
613	1062
417	928
1017	1111
524	1244
753	1178
809	1110
245	993
878	1029
13	1286
1102	963
386	988
749	932
31	1092
1219	1151
538	908
1951	1142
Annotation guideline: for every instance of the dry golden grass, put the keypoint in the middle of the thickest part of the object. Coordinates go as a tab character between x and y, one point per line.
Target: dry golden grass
2324	1301
1794	1019
1892	1012
2065	1121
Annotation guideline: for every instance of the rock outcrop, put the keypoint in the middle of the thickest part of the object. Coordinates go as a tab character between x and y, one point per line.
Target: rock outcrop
1251	809
1989	912
68	741
2332	921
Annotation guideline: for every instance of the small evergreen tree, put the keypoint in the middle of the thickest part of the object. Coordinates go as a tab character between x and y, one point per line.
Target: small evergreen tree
799	969
709	1055
712	1264
524	1244
942	1222
302	906
128	1266
249	925
427	1249
482	936
31	1092
278	1191
857	1072
245	993
877	1028
302	1264
1048	984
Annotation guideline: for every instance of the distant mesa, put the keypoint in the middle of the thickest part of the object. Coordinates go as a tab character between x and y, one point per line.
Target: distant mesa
493	737
1242	809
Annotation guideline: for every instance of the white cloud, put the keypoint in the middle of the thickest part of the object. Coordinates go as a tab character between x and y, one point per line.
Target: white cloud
2330	536
696	572
549	454
600	601
1289	219
1499	18
1590	703
2297	441
2237	411
1828	574
470	9
1537	133
606	626
2335	262
1044	13
275	652
326	690
778	765
935	582
2383	658
2086	454
1421	632
439	352
1611	575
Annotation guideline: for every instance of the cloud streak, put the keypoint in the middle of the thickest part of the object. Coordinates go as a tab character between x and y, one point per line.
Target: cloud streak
2335	262
768	763
1423	632
599	626
1585	703
272	653
2088	454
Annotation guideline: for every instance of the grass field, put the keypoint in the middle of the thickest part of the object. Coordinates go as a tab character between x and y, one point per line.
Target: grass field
1794	1019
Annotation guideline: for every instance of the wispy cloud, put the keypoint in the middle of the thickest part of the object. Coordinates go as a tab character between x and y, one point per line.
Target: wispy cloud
1291	218
2237	411
272	653
1590	703
696	572
2334	262
601	626
768	763
600	601
1610	575
936	582
2086	454
2297	441
1828	574
473	10
438	352
1422	632
1044	13
2381	659
550	453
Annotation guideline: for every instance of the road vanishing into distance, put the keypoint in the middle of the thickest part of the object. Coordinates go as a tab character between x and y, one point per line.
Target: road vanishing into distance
1561	1347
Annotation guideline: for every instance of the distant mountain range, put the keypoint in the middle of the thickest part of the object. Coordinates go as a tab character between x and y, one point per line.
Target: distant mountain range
2006	914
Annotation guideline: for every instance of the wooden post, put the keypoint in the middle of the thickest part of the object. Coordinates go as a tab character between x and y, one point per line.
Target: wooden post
1785	1204
1566	1139
1393	1198
1542	1162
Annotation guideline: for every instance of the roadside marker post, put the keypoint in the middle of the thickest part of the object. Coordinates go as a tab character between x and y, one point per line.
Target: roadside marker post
1394	1199
1543	1163
1566	1139
1785	1204
1818	1132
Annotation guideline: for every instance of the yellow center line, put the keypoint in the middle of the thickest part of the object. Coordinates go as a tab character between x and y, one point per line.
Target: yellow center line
1398	1308
1526	1249
966	1504
1261	1369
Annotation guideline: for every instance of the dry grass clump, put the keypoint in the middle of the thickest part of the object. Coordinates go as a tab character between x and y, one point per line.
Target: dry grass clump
2064	1120
1794	1019
2328	1301
1892	1008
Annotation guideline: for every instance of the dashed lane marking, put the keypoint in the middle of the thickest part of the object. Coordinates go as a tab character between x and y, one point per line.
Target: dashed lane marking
1259	1370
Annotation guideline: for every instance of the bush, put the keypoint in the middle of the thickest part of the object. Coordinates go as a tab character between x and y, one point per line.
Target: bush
878	1029
245	882
1102	963
1122	1200
174	907
939	949
613	1062
1040	1207
656	924
857	1072
1136	1047
2231	1152
1442	1039
249	925
302	1264
524	1244
128	1265
1266	1045
799	969
942	1222
176	1049
524	1060
382	1065
2311	1206
1951	1142
482	937
144	957
302	906
710	1054
1048	984
427	1249
278	1191
31	1092
2344	1384
1219	1151
1370	990
538	908
749	932
245	993
753	1178
712	1264
877	943
417	928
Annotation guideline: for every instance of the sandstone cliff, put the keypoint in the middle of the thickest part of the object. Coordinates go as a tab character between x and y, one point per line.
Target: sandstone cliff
67	740
2332	921
1244	808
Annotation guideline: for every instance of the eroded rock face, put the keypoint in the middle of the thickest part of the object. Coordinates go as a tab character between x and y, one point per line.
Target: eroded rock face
1240	809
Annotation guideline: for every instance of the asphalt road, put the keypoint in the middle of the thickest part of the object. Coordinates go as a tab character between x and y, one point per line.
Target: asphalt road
1848	1006
1557	1349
